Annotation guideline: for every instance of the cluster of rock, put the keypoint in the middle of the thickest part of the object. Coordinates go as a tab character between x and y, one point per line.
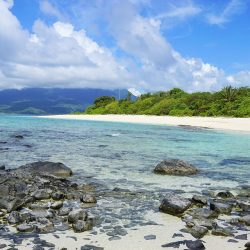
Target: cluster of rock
38	197
201	213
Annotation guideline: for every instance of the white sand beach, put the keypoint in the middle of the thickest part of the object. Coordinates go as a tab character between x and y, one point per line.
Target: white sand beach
134	240
219	123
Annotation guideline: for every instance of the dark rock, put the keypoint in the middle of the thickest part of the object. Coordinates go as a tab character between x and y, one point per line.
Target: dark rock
64	211
201	222
200	199
114	238
12	205
25	228
87	198
2	167
198	231
220	231
81	226
42	194
14	217
2	246
195	245
247	245
57	169
222	208
44	226
233	241
150	237
77	214
203	213
174	204
57	196
241	237
91	247
124	190
19	136
57	205
175	167
177	235
245	206
245	219
225	194
176	244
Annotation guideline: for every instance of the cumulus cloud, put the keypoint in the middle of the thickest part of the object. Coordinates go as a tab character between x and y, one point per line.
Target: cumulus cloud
59	55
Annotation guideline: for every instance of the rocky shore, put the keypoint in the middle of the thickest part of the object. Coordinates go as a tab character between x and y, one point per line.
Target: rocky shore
42	198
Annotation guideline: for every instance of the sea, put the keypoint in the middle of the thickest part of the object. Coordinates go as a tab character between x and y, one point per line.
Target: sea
124	155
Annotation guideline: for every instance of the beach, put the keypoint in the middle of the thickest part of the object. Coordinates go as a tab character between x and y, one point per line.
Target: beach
219	123
113	163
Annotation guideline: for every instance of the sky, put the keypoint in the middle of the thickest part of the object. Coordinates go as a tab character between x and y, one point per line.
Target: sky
147	45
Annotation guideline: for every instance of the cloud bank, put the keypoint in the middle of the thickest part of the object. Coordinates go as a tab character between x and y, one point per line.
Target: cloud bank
60	55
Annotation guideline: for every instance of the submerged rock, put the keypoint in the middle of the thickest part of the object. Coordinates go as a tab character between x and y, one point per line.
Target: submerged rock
175	167
174	204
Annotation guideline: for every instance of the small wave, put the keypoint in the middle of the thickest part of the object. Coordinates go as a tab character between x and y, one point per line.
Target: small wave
114	135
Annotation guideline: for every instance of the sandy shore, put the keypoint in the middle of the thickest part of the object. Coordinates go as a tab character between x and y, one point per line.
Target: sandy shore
134	240
219	123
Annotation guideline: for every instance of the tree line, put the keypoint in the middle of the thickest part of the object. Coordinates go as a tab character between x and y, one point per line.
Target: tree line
229	101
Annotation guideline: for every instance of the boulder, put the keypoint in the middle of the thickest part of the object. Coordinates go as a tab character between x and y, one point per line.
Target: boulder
24	228
198	231
57	205
221	231
14	217
204	213
245	219
175	167
200	199
220	207
225	194
81	226
42	194
54	168
77	214
247	245
64	211
88	198
174	204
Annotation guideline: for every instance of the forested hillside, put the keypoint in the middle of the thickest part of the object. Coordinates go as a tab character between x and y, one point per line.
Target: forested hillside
229	101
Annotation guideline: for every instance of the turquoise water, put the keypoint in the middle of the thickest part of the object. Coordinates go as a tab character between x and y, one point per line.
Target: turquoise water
124	155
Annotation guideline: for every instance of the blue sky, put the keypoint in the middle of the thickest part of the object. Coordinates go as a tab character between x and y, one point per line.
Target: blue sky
143	44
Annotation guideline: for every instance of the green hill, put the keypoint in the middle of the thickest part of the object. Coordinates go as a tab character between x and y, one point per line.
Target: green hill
233	102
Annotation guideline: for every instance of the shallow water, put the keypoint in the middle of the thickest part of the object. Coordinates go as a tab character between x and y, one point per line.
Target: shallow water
124	155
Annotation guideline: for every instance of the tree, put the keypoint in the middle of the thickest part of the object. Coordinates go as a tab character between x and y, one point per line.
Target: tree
229	93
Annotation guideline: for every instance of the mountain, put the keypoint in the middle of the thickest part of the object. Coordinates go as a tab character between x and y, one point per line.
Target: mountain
40	101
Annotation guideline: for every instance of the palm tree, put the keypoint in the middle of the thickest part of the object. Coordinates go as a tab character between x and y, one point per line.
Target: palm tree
229	93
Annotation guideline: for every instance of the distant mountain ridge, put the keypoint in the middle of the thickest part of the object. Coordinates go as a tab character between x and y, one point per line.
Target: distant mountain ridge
41	101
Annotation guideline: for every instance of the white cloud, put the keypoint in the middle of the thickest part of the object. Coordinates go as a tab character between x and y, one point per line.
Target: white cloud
60	55
49	9
233	7
181	12
241	78
53	56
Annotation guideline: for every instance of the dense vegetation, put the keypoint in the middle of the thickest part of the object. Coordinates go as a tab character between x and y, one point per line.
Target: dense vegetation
229	101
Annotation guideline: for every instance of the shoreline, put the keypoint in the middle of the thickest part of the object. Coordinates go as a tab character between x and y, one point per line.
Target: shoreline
218	123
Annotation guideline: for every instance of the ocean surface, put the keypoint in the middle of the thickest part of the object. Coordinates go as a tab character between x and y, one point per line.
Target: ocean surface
124	155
